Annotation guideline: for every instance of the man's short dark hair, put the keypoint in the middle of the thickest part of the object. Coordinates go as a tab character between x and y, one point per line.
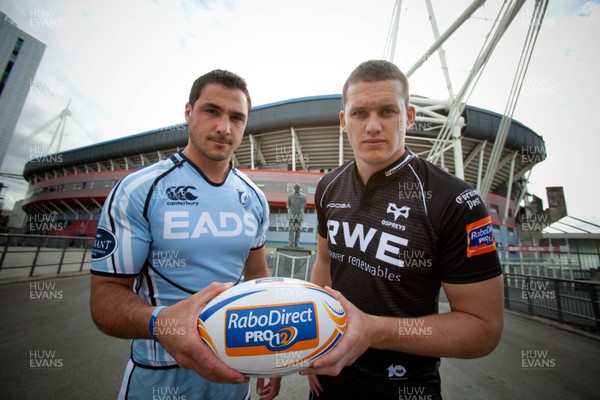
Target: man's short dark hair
376	71
221	77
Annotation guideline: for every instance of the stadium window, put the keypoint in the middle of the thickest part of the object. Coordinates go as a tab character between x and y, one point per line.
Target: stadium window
17	47
10	64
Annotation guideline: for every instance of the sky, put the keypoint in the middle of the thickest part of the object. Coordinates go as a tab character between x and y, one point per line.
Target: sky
126	67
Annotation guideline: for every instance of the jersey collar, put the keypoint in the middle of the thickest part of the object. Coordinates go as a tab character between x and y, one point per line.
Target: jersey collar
398	165
392	168
195	167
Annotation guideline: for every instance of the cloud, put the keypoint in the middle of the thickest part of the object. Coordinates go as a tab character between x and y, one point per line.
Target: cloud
559	104
128	69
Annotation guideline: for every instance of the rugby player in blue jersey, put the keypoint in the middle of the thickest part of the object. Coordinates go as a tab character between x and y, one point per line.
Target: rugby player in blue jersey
170	237
394	229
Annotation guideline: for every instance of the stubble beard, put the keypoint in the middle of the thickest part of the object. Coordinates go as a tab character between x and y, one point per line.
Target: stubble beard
204	148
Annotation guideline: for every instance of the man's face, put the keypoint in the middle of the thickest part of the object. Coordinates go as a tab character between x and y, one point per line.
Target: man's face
376	120
216	123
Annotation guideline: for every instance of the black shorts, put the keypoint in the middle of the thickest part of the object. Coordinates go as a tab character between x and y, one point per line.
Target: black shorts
352	384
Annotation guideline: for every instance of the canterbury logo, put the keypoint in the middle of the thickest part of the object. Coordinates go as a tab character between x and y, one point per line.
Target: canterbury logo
181	193
393	209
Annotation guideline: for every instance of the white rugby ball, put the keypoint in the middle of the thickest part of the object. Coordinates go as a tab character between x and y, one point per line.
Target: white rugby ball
272	326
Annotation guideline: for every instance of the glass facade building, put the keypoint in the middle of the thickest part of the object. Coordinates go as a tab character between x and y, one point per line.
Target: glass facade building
20	56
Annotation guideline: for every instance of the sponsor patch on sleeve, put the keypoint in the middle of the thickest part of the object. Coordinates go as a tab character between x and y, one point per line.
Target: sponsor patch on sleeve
480	237
105	244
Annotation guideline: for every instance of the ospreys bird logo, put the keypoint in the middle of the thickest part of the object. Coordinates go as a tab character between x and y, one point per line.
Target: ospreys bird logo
393	209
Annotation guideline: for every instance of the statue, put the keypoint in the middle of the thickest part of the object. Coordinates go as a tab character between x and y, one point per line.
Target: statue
295	205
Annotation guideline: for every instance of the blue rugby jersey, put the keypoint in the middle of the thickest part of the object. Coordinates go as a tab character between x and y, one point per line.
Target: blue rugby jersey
177	232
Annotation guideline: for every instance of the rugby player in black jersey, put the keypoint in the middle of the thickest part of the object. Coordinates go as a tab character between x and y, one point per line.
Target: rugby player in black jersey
393	230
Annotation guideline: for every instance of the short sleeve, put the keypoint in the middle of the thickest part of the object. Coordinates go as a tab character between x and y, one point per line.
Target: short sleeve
467	247
123	237
321	220
263	218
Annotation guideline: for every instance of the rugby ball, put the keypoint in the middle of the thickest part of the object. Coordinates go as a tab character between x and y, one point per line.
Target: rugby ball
272	326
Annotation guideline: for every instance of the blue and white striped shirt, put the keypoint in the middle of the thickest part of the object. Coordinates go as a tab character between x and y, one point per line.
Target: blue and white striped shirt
177	232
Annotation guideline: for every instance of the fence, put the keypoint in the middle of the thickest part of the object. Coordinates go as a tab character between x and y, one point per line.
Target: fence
566	300
50	254
556	268
293	266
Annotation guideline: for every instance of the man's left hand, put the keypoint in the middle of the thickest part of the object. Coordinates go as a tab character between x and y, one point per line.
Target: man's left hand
356	340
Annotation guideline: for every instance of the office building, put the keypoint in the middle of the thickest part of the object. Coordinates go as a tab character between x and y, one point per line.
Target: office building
20	56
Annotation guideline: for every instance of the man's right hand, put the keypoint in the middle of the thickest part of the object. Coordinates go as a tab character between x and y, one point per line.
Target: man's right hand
185	344
120	312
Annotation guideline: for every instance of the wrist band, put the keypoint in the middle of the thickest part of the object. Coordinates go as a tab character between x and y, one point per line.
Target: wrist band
152	319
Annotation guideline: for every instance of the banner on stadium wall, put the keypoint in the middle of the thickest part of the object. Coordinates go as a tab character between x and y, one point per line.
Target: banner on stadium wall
541	249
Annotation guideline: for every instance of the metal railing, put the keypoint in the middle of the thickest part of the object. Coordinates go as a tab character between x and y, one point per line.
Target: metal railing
50	254
555	268
566	300
291	266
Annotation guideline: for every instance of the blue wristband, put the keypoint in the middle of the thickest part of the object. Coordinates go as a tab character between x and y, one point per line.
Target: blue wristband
152	319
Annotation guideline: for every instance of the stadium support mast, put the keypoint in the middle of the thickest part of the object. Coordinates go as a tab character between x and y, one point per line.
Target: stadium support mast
430	112
58	134
390	44
446	115
441	51
534	28
441	39
506	15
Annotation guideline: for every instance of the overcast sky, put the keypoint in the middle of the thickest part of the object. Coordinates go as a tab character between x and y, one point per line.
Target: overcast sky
127	67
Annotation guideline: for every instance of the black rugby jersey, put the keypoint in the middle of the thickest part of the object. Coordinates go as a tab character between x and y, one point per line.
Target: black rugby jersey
393	241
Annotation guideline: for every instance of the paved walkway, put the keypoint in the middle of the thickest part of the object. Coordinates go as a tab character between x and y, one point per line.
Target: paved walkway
50	349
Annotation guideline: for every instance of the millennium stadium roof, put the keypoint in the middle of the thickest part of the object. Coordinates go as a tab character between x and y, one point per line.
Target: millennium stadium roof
571	227
311	126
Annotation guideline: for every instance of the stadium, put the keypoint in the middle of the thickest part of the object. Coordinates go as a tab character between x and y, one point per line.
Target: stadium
288	142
